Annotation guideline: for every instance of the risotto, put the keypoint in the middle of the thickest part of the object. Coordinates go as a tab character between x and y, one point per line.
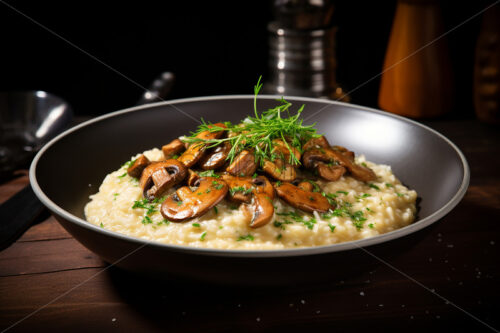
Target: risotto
268	182
364	210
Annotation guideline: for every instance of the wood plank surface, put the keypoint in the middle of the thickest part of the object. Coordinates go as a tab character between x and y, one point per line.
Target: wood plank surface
448	282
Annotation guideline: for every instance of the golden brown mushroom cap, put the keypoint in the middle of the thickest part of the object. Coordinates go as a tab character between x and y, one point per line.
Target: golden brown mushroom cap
160	176
303	200
187	204
196	150
135	170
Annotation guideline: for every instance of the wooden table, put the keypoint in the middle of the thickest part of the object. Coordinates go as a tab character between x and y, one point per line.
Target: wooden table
48	281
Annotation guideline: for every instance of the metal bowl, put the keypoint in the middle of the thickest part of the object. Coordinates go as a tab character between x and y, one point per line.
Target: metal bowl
72	166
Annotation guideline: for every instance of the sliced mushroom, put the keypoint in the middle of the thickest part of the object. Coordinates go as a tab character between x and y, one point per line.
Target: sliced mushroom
330	172
196	150
344	151
160	176
244	164
135	170
304	200
215	157
281	168
173	148
187	204
263	195
280	147
240	188
193	177
306	186
320	142
338	161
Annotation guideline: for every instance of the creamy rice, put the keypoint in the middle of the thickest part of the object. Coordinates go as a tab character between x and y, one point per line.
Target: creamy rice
385	204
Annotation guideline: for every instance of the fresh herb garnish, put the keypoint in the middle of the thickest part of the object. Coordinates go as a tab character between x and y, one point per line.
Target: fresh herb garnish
128	163
309	224
279	237
102	225
374	186
371	225
196	225
399	194
146	220
343	192
248	237
203	235
365	195
332	227
241	189
388	185
280	224
208	173
216	210
257	133
123	175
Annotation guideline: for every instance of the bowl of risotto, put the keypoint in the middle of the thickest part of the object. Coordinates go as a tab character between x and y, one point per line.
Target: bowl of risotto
249	190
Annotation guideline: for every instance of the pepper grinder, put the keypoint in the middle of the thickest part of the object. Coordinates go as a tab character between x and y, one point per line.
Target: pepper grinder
302	58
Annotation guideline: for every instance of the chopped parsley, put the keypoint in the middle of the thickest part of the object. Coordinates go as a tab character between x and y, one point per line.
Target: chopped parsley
102	225
128	164
164	221
343	210
146	220
280	224
233	207
278	183
217	185
399	194
364	164
196	225
371	225
203	235
374	186
330	197
216	210
121	176
241	189
220	227
209	173
343	192
279	237
332	227
309	224
248	237
370	210
388	185
254	175
364	196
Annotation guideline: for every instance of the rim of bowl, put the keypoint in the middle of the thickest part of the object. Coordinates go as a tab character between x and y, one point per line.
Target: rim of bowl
303	251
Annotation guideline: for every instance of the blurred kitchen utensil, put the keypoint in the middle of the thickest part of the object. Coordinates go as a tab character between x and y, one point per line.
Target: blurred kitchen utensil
30	123
28	120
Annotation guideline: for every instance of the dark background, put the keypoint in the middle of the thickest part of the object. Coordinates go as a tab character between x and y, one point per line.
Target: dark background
213	48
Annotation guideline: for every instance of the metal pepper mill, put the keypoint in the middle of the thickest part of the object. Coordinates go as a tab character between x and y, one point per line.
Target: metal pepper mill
302	58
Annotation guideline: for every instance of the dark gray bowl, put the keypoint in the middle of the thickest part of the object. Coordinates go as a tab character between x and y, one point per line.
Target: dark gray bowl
72	166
